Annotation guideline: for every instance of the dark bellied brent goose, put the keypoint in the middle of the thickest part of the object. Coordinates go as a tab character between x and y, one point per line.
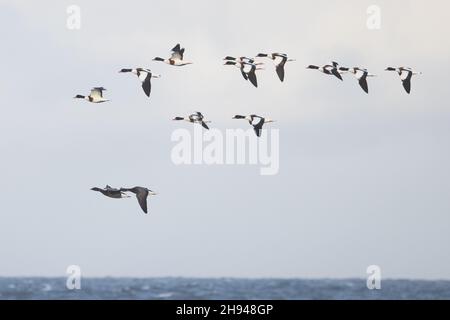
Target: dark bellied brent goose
141	195
255	121
176	59
111	192
145	75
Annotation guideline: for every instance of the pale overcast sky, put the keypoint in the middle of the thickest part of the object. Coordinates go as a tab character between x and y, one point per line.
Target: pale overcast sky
364	179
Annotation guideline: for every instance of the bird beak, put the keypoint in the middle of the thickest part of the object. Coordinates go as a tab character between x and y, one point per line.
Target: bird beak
153	193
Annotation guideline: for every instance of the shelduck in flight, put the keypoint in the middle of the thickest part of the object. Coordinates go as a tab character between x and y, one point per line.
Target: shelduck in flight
176	59
255	121
361	75
96	95
330	69
142	194
196	117
145	75
239	61
248	69
279	59
405	75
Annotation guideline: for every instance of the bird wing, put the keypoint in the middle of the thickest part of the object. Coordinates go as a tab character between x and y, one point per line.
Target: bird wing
142	199
336	73
244	74
280	68
257	123
147	86
109	188
252	77
199	115
407	84
177	52
97	92
405	76
204	125
363	83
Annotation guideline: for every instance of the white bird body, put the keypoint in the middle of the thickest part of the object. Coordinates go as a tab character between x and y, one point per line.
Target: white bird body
96	95
176	58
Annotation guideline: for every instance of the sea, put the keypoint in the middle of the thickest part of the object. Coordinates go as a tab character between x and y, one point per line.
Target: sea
35	288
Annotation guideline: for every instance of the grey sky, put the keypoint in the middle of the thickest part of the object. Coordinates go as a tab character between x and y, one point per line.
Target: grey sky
363	179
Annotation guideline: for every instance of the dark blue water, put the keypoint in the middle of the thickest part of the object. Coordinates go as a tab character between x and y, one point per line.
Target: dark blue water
189	288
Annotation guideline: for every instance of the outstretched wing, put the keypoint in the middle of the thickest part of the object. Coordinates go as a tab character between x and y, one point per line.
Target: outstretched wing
336	73
252	77
145	76
257	123
361	75
177	52
280	68
407	85
97	92
244	74
405	76
363	84
142	199
199	114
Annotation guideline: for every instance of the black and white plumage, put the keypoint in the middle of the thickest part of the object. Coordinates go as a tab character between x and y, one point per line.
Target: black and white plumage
360	74
96	95
142	194
405	75
330	69
111	192
255	121
238	63
248	69
176	58
196	117
279	59
145	76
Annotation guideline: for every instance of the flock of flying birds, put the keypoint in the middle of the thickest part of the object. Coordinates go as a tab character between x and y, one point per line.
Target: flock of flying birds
248	68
